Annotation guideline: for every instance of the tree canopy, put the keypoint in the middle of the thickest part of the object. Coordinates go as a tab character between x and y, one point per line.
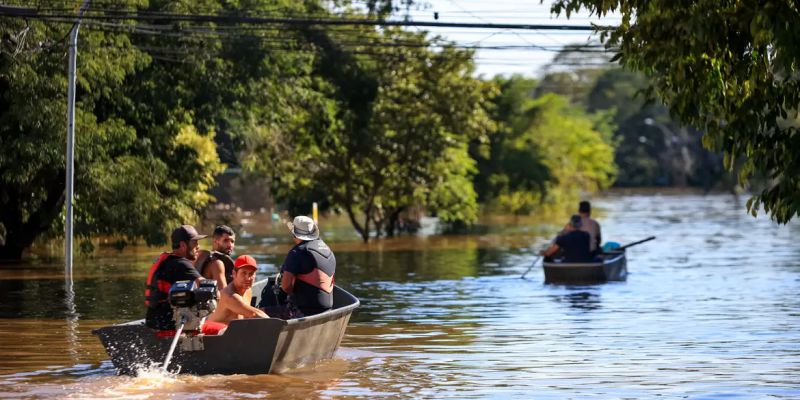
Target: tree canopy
392	135
730	68
545	151
130	182
149	106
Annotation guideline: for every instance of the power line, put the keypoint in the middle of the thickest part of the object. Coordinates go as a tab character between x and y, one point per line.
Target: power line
135	15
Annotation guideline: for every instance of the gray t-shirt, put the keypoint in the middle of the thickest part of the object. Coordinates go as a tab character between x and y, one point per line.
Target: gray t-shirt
591	227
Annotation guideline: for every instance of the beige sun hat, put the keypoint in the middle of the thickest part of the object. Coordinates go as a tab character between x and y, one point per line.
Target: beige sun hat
303	228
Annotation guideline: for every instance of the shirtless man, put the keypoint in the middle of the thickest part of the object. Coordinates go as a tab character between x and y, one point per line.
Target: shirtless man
234	300
218	264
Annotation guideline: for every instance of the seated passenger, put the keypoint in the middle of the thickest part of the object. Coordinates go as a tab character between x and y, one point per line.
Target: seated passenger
234	300
218	264
573	244
165	271
590	226
307	272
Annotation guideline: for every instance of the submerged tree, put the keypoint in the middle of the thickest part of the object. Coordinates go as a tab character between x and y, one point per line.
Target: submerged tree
396	136
127	181
150	102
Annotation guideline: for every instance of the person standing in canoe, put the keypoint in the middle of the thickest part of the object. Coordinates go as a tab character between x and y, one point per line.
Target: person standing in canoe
573	243
234	300
590	226
165	271
307	272
218	264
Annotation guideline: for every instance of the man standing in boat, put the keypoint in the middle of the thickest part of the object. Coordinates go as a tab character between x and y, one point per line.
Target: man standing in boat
307	272
168	269
234	300
590	226
573	243
218	264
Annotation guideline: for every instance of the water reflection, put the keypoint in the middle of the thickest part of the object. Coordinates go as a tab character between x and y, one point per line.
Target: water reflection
579	300
71	320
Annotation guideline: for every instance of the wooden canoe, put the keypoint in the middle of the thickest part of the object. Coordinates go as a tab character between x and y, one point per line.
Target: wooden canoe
613	267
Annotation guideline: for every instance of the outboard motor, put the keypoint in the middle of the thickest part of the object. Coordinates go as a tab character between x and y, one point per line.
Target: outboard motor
190	307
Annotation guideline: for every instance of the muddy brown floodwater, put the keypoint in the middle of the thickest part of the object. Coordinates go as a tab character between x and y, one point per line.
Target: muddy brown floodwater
710	310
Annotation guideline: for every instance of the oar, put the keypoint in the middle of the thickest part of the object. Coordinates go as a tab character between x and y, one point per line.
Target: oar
634	243
531	267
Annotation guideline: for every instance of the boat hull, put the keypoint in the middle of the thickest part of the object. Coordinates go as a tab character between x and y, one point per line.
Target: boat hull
248	346
612	268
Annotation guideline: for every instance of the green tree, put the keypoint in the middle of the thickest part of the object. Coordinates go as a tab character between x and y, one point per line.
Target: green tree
544	152
509	162
652	149
729	68
410	148
395	135
578	149
150	103
121	186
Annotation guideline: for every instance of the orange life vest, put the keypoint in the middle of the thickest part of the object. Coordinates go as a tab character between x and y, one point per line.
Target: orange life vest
156	291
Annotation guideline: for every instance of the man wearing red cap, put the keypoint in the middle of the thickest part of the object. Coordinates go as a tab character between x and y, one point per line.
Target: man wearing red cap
234	300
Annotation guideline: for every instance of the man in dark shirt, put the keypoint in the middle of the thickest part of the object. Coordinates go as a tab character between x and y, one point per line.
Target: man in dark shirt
307	272
168	269
574	243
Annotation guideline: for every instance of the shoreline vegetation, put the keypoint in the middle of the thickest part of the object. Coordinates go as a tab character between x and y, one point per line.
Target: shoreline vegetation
500	228
384	126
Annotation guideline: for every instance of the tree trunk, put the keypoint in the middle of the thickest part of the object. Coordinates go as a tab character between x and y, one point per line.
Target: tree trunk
19	234
361	231
365	234
11	252
378	221
394	217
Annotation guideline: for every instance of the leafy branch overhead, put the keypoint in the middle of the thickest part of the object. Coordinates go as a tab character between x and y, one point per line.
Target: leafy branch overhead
730	68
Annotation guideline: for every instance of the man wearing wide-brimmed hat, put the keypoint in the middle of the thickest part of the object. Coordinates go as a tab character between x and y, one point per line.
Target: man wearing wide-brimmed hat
307	272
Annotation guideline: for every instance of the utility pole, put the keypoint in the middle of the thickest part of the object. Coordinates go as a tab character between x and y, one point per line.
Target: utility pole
73	55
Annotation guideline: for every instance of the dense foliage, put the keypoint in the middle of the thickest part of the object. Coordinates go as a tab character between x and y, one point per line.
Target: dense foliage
545	151
130	181
653	149
393	133
149	106
730	68
374	123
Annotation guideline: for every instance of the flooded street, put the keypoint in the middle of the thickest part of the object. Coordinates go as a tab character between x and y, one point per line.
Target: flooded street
710	310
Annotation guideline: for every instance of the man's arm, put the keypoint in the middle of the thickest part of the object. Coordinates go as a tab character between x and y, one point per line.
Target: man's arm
553	249
217	270
237	305
287	282
292	266
599	236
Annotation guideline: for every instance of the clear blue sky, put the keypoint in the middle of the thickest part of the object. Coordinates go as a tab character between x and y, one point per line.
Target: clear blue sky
527	61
